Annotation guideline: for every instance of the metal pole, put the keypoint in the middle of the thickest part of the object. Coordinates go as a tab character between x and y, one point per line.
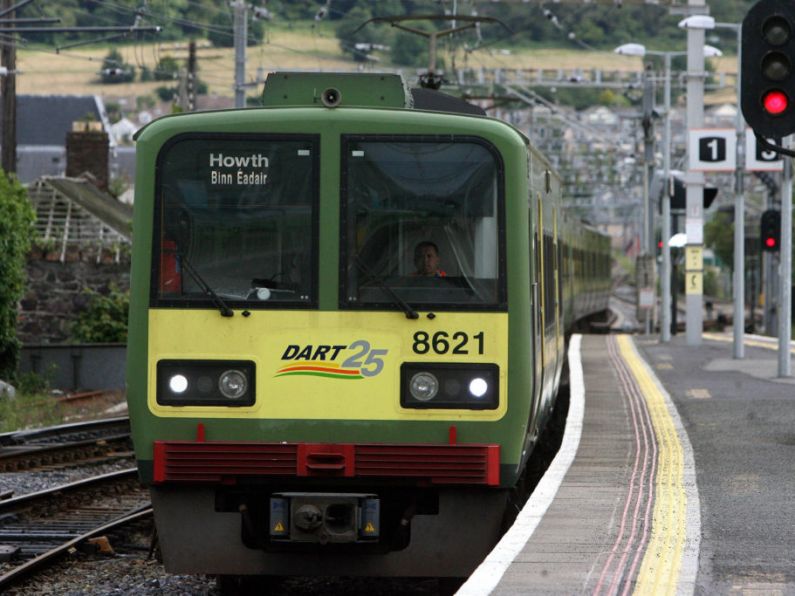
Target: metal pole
647	237
785	271
674	285
241	38
8	89
694	216
739	220
644	241
665	322
192	75
432	55
771	287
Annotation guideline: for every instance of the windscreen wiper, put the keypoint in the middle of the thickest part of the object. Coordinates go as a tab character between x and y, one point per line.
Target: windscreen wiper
405	306
217	300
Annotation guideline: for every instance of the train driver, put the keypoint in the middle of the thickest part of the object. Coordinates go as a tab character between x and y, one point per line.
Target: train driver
426	259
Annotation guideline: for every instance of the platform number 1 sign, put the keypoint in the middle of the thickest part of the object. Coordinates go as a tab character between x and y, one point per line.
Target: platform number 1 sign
712	149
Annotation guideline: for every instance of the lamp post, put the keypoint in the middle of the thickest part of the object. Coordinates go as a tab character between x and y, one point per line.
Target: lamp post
636	49
738	290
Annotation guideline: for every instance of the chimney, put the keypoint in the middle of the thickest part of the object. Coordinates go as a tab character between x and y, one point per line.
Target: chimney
87	151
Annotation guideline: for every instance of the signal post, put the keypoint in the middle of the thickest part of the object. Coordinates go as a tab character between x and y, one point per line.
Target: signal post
768	104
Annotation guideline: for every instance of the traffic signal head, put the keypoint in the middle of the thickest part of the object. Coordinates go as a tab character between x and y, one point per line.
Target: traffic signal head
770	230
768	74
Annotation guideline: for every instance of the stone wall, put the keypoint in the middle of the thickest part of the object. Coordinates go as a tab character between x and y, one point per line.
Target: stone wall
56	291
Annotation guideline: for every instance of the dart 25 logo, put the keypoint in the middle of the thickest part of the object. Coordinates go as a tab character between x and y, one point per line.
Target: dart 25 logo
355	361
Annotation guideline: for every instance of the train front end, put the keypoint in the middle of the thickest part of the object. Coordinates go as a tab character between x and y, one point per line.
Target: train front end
305	397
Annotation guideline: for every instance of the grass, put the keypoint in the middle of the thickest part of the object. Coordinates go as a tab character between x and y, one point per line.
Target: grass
76	71
36	410
29	411
302	47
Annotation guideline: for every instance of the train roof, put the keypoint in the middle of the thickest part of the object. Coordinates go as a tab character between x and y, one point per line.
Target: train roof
358	90
354	90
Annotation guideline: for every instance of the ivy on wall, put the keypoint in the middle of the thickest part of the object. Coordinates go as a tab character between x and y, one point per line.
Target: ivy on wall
105	318
16	233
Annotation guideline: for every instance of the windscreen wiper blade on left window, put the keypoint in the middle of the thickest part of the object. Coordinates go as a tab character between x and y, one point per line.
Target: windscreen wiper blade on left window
404	306
205	287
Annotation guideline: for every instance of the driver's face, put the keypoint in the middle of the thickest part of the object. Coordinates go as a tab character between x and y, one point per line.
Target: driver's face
427	261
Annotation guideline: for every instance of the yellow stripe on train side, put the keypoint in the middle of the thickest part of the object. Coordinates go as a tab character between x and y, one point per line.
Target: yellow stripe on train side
327	365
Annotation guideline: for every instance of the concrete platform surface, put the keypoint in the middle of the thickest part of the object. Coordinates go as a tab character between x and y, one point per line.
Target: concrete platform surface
676	475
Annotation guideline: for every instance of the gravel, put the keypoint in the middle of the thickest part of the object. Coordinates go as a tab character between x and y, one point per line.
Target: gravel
87	575
22	483
83	575
131	572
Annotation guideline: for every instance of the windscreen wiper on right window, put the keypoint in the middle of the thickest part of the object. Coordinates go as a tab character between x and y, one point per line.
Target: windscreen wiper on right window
404	306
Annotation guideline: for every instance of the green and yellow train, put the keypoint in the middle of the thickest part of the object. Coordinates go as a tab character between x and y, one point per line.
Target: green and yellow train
305	398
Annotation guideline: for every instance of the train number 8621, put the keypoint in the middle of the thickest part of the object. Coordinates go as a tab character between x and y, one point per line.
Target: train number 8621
443	342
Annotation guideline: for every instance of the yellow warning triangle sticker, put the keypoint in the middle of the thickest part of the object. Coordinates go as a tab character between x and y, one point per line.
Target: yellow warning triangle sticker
278	527
369	528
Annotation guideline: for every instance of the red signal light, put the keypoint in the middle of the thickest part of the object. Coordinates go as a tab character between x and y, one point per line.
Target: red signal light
770	242
775	102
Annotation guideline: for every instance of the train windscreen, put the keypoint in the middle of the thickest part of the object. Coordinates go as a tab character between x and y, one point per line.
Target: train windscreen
236	218
422	220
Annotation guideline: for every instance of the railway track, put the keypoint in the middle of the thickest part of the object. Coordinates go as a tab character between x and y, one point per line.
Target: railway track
39	528
65	445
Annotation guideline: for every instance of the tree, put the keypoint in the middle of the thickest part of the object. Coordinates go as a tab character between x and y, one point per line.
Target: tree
366	35
105	318
116	70
719	236
409	49
16	232
167	69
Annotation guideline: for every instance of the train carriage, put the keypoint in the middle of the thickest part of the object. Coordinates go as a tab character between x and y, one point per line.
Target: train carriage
304	398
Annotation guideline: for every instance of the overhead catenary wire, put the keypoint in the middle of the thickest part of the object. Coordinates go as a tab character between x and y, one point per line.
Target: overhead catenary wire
529	96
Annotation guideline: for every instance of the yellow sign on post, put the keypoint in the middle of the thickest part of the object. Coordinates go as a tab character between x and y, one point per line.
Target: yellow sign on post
694	258
694	282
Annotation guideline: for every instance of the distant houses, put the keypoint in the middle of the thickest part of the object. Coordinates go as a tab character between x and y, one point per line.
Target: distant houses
43	122
66	158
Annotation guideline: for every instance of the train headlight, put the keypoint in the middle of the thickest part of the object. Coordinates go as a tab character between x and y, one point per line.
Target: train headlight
449	386
205	383
232	384
178	384
424	386
478	387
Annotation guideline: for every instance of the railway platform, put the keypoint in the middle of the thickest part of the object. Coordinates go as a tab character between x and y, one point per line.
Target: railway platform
676	476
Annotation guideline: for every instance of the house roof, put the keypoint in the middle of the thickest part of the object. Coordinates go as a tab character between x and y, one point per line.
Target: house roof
73	210
101	205
45	119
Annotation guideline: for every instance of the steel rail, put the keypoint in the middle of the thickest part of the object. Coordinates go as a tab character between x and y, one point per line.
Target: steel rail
52	555
62	444
23	436
57	454
23	502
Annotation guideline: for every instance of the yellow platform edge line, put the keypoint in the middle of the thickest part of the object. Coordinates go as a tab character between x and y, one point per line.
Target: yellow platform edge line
662	561
748	341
